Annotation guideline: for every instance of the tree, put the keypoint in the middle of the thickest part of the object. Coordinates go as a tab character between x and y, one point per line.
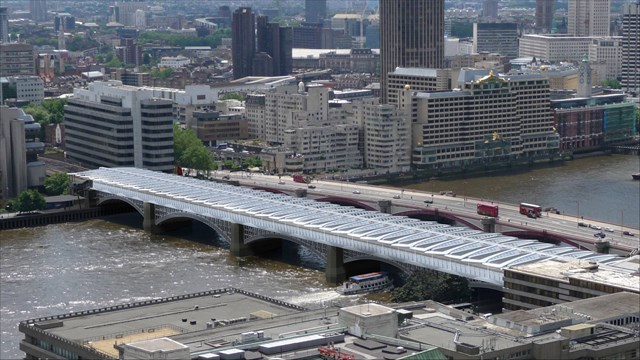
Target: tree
50	111
56	184
433	285
611	83
232	95
28	201
189	151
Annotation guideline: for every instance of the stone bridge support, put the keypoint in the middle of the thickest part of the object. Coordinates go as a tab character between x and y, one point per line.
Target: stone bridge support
334	272
149	222
489	225
237	246
602	247
385	206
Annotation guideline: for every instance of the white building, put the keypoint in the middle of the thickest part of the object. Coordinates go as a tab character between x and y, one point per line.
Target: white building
115	125
589	17
605	55
174	62
29	88
631	48
554	48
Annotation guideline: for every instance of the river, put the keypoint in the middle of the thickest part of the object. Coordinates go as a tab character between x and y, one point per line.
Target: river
69	267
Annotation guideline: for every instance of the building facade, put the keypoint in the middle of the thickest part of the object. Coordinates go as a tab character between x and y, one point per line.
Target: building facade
115	125
16	59
386	130
605	56
243	48
213	127
411	35
20	146
23	88
631	48
554	48
277	42
500	38
315	10
4	24
419	79
38	10
452	131
589	17
544	15
490	9
128	12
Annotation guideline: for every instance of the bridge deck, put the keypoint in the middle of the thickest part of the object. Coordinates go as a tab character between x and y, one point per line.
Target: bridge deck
456	250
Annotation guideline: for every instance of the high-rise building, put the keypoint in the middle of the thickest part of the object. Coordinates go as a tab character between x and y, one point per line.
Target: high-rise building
631	48
544	15
38	9
589	17
127	11
110	124
411	35
315	10
4	25
276	42
129	52
243	42
16	59
499	38
490	9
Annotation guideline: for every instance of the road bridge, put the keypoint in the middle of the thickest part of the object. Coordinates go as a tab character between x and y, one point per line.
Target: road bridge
252	219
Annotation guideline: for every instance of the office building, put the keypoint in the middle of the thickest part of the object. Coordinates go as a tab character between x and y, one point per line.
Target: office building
132	78
418	79
110	124
4	25
214	127
38	10
554	48
411	35
315	10
129	52
243	47
64	22
631	48
553	282
23	88
451	128
386	130
544	15
589	17
605	56
490	9
19	149
276	42
592	123
127	12
16	59
499	38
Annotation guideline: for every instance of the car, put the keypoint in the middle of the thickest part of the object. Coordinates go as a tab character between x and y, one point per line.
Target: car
281	182
356	191
627	233
311	186
428	201
396	196
582	224
608	229
601	235
595	227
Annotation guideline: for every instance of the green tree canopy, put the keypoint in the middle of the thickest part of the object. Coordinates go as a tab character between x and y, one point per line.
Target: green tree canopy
56	184
232	96
612	83
28	201
432	285
50	111
189	151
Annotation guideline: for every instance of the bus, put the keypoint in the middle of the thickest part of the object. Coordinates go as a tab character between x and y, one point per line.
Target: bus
531	210
487	209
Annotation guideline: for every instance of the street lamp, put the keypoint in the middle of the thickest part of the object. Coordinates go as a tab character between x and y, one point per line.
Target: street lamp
621	219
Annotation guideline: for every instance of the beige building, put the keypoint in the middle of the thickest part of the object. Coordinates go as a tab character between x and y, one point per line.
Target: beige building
493	119
605	56
419	79
589	17
16	59
554	48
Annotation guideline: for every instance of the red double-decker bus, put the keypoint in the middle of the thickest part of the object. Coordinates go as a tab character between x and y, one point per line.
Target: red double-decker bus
531	210
487	209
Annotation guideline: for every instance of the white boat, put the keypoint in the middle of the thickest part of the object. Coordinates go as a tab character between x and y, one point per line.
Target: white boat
371	282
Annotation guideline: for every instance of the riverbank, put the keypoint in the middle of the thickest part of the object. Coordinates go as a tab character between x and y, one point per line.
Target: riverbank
59	216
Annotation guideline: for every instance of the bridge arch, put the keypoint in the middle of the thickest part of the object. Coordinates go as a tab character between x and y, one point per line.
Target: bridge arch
321	253
338	200
434	213
110	199
405	269
211	223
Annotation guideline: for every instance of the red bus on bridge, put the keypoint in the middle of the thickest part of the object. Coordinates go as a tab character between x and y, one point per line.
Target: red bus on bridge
531	210
487	209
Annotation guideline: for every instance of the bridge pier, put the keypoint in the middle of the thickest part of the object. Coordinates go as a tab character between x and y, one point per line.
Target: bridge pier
301	193
489	224
238	247
334	272
602	247
149	222
385	206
